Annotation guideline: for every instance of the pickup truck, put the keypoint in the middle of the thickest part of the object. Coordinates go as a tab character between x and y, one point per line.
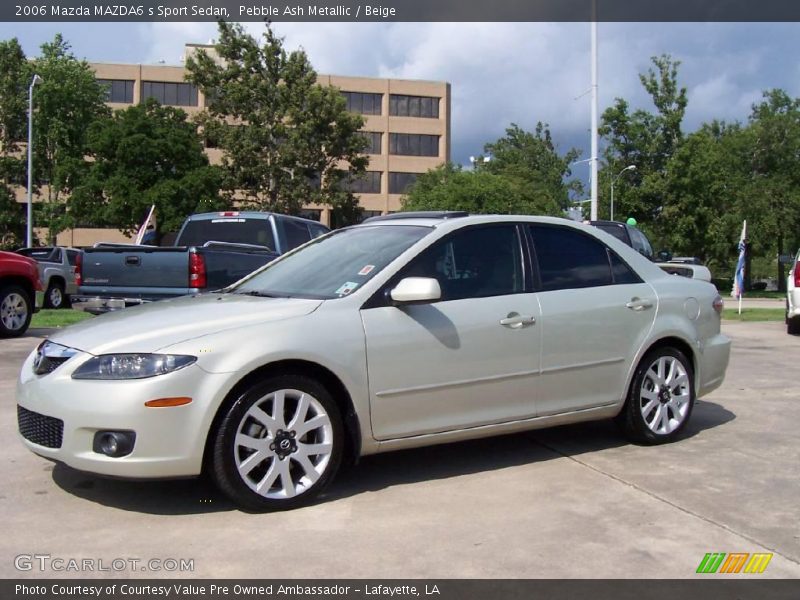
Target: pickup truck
57	272
211	251
636	239
21	293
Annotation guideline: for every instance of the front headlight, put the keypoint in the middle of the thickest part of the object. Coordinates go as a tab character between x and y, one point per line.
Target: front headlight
131	366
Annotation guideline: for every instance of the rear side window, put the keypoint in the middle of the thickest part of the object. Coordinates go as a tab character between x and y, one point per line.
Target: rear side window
621	272
72	257
233	230
296	233
570	259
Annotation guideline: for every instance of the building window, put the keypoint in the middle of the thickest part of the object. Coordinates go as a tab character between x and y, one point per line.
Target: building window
173	94
311	213
374	139
413	144
400	182
363	103
368	214
370	183
413	106
118	90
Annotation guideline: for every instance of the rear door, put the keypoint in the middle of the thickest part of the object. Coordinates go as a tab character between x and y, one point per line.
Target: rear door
471	358
596	313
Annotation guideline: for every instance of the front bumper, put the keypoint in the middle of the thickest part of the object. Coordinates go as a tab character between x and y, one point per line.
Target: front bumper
169	441
713	362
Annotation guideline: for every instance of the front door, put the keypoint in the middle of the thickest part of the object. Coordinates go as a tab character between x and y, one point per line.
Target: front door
471	358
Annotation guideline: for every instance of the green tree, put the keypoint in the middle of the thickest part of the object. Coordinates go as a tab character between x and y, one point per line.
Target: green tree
707	177
146	155
15	75
67	101
531	161
522	173
645	139
771	203
448	187
285	137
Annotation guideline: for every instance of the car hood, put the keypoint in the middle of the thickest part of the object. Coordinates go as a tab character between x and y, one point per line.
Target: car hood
160	324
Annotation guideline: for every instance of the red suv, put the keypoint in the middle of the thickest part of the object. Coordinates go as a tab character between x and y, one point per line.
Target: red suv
21	293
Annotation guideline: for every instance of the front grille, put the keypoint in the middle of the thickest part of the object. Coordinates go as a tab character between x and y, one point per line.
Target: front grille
40	429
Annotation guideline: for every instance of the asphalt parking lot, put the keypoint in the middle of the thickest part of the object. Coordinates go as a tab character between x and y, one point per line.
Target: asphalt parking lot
571	502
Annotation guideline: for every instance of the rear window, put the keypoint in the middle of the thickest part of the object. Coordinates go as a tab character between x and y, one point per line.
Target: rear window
236	230
618	231
42	254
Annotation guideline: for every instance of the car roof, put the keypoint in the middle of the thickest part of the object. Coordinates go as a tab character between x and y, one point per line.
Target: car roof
455	220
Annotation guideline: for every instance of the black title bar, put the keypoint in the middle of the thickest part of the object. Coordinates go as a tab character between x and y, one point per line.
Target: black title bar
401	10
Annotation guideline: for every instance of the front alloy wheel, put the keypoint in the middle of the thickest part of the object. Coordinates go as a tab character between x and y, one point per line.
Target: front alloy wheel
279	444
661	397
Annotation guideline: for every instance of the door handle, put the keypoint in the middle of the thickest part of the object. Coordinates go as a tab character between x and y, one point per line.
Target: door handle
638	304
516	320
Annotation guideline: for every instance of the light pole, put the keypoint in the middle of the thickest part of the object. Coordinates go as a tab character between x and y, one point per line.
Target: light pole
29	238
628	168
478	160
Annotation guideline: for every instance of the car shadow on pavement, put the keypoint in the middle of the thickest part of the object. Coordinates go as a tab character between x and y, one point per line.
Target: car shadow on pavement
465	458
377	472
159	497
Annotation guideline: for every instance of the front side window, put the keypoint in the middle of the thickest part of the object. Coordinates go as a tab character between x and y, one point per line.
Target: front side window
333	266
473	263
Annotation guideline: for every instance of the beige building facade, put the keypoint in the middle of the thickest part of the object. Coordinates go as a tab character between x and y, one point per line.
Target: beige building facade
407	126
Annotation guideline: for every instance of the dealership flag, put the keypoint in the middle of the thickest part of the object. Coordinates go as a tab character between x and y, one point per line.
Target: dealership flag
738	278
148	226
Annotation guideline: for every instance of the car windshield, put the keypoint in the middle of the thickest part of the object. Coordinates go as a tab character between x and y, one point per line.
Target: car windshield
334	266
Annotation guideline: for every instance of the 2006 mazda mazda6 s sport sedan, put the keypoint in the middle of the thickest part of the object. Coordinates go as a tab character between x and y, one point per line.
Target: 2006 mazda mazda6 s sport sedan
407	330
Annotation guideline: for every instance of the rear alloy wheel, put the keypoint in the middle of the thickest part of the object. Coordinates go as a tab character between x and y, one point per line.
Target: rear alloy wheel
15	311
660	399
279	444
54	296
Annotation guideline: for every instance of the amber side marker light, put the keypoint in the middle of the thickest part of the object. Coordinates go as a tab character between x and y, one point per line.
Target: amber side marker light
167	402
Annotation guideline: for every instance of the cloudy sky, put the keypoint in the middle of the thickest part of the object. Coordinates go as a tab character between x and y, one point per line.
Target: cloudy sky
501	73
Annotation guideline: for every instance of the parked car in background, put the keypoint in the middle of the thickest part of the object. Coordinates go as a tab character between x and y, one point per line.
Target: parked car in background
405	331
21	293
57	272
636	239
211	251
627	234
793	298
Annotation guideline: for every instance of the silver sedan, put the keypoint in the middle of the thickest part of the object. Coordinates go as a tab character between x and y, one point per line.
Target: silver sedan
405	331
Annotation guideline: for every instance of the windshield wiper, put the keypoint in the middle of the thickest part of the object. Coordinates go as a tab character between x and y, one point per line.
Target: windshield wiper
257	293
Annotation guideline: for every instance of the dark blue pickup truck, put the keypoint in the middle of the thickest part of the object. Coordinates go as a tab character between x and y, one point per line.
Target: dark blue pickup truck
211	251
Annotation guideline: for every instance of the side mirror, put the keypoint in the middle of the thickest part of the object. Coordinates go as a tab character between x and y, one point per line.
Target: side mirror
664	256
416	290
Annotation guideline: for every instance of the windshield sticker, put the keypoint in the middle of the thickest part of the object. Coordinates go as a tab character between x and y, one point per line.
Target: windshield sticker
366	270
346	289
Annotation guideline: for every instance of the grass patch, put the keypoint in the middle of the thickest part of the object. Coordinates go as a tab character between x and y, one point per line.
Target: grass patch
764	294
58	318
754	314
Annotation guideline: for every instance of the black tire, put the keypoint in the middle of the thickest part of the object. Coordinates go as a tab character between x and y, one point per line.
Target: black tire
229	458
54	297
793	326
16	310
656	428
